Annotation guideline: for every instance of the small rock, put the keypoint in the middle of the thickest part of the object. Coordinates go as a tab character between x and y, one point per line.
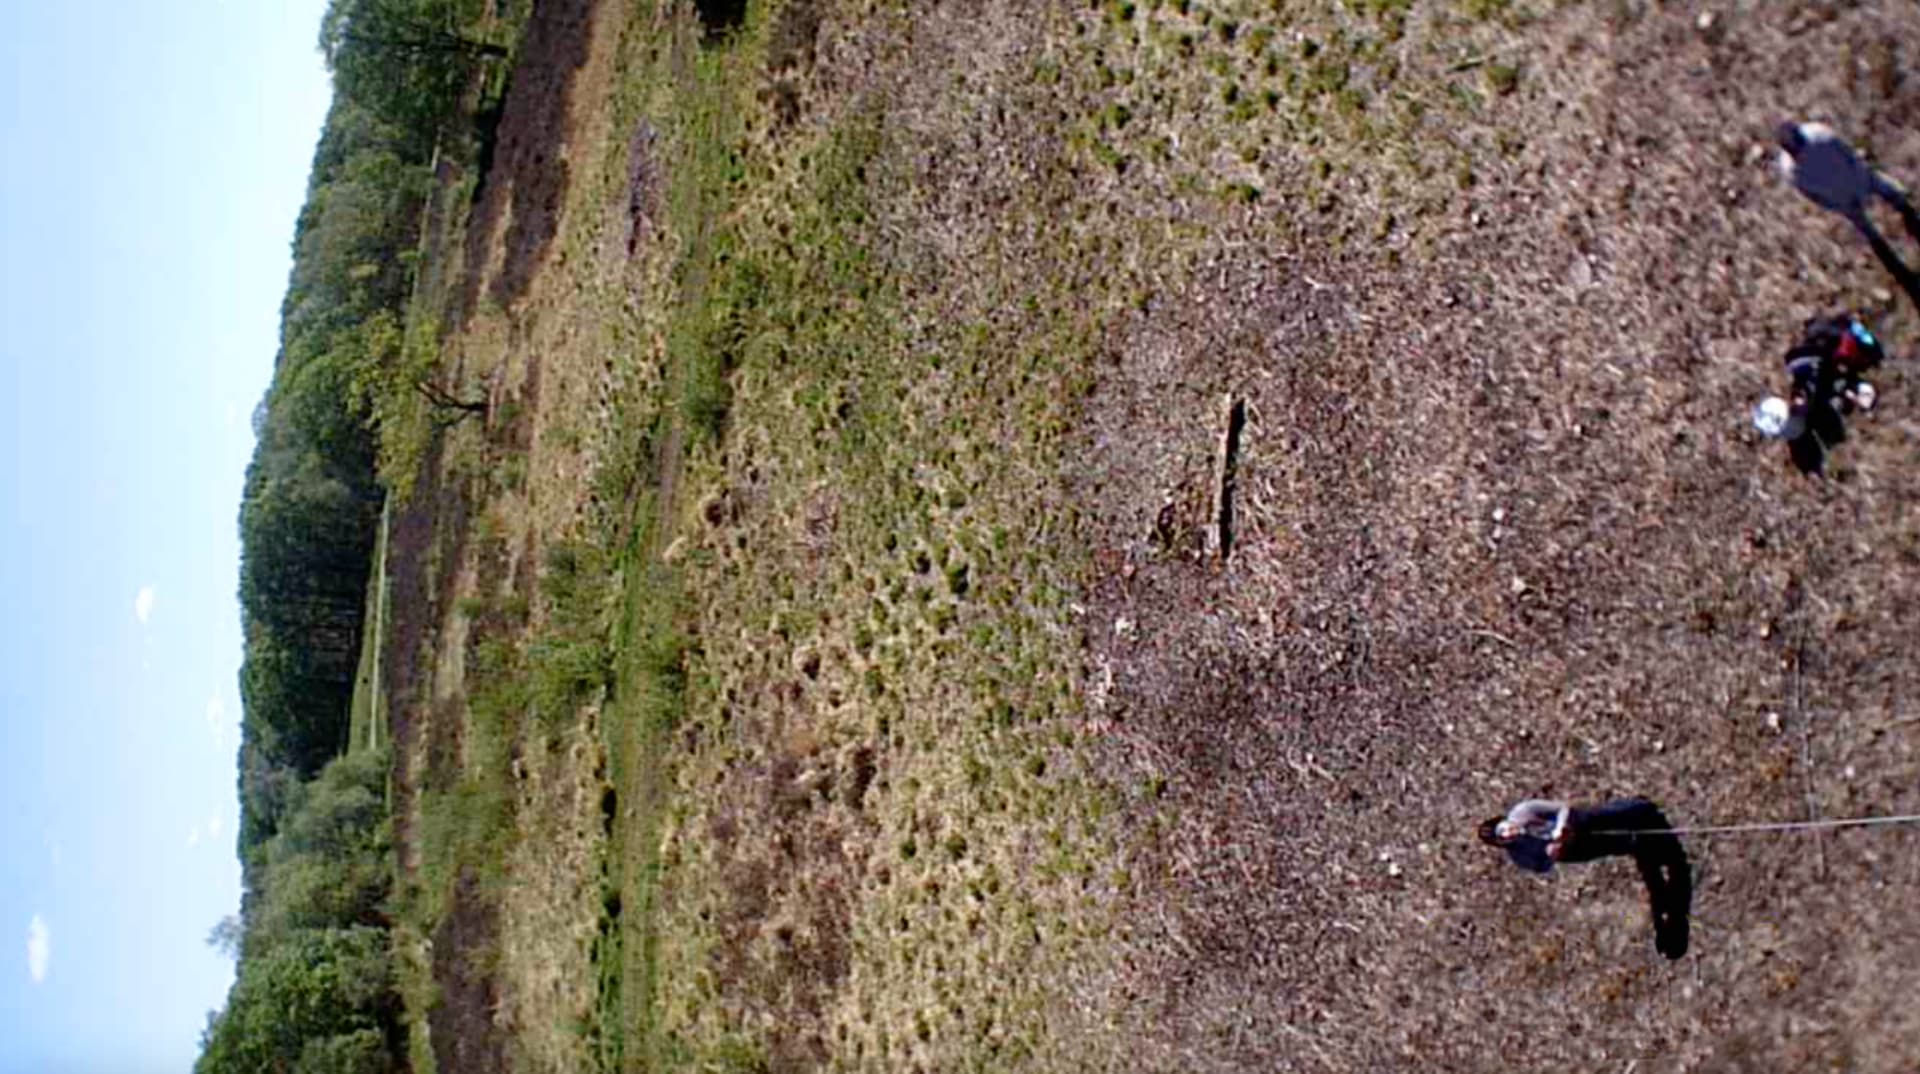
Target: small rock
1123	627
1659	745
1518	586
1881	295
1580	276
1393	868
1848	772
1773	722
1704	22
1499	514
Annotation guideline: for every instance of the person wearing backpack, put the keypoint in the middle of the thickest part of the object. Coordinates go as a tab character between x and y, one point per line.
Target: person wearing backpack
1826	371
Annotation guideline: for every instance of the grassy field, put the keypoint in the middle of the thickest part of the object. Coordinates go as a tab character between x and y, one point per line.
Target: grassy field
814	658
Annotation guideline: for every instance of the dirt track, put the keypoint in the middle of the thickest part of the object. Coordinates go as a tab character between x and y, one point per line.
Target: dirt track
526	182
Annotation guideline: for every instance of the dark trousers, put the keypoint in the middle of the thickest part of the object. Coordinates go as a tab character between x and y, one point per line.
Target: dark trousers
1618	829
1821	428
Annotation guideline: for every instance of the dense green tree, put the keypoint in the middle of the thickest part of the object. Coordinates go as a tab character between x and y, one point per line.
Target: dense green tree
363	1051
267	789
225	936
311	986
352	248
408	61
314	988
330	864
307	529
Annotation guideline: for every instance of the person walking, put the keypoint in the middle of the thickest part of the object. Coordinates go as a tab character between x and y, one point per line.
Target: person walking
1538	833
1822	166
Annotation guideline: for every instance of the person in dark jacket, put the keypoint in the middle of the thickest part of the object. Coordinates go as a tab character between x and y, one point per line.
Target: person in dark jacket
1537	834
1827	370
1822	166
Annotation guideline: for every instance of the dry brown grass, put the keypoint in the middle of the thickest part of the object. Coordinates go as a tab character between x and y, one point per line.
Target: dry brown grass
978	766
1504	531
527	474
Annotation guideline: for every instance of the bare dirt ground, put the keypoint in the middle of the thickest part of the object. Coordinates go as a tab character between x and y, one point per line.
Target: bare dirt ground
464	1034
437	515
982	761
1503	533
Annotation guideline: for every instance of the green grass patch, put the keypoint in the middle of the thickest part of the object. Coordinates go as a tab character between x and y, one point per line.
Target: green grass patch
648	700
1500	11
367	713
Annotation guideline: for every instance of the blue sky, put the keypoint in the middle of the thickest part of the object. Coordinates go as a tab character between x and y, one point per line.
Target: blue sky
152	160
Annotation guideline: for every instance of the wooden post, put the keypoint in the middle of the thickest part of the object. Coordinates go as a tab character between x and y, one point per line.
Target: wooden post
1233	416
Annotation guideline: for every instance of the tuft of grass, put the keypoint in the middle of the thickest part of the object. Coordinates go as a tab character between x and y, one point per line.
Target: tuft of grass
1464	176
734	1054
567	673
607	1033
1500	11
1503	78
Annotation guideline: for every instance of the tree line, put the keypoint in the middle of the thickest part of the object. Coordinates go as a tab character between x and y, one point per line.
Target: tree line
314	987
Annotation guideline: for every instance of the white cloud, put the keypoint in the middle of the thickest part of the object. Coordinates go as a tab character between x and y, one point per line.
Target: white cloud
217	720
193	837
214	824
39	949
143	603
